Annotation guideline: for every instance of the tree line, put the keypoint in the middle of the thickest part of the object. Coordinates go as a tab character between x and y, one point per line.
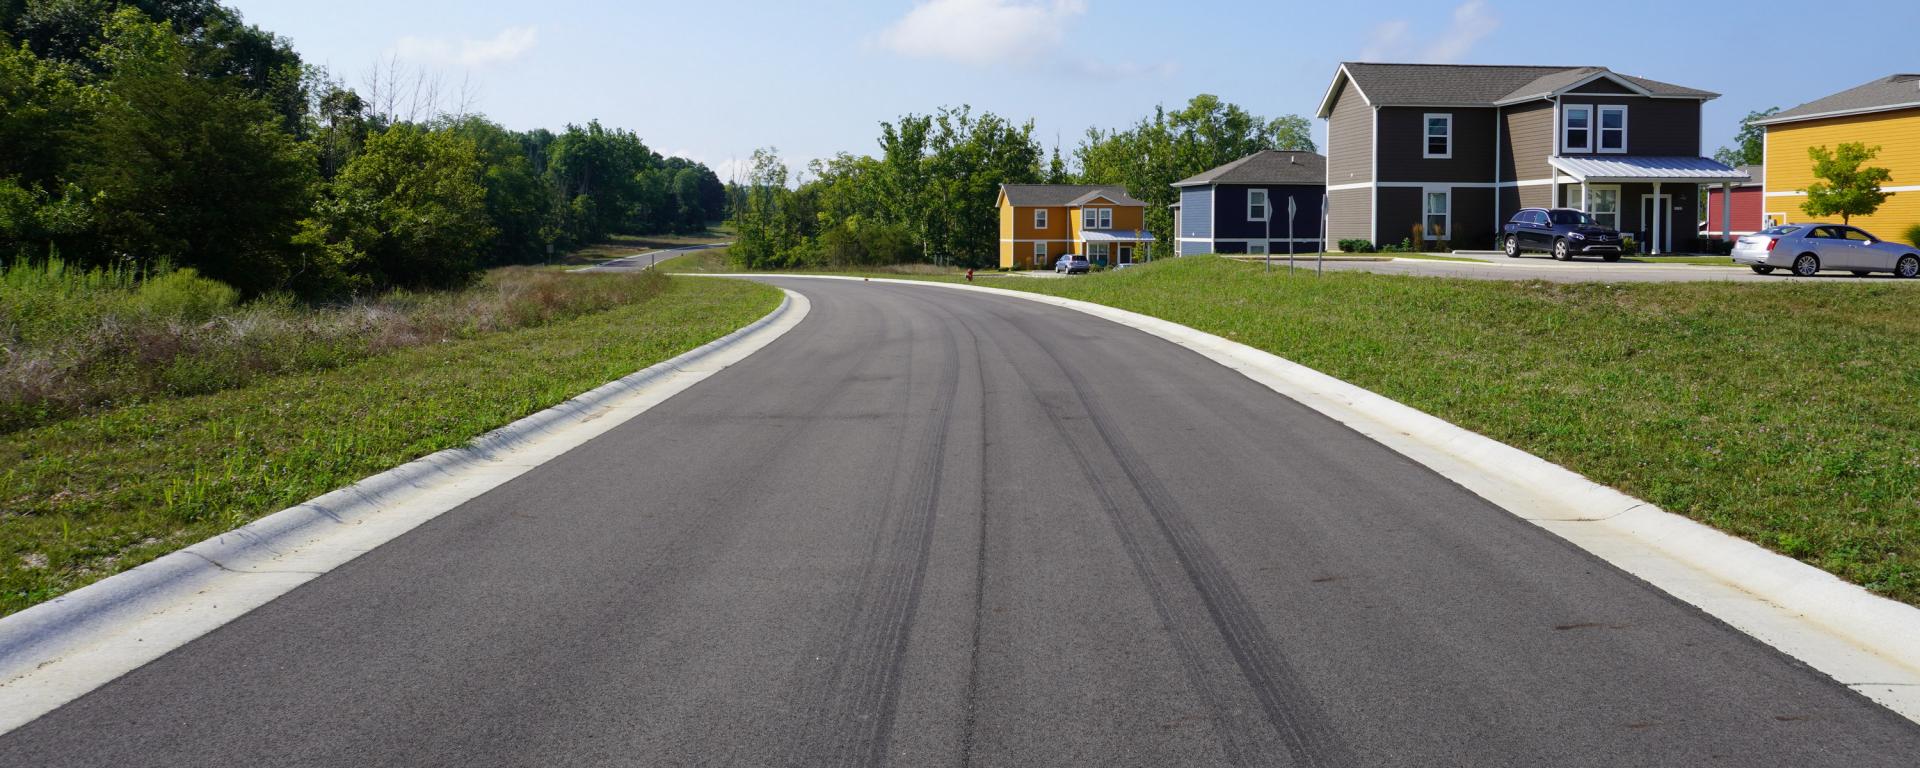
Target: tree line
169	131
930	193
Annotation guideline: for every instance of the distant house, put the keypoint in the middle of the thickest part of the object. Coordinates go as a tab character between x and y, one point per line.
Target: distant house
1442	153
1739	216
1041	222
1241	207
1884	113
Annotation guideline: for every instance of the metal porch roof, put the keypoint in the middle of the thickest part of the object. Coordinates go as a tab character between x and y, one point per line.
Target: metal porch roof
1680	170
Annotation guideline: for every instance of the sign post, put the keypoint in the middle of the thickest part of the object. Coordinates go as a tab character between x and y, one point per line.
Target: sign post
1320	260
1293	211
1266	219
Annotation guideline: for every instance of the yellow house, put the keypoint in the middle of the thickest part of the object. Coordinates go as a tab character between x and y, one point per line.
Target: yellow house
1042	222
1884	113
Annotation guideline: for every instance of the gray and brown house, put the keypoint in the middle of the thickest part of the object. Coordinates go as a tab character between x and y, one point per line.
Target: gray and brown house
1450	152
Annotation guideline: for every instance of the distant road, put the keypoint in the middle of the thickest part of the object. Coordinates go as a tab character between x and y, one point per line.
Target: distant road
646	260
929	527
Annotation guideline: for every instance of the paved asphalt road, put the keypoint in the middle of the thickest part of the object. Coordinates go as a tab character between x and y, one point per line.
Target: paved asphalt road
1585	271
931	528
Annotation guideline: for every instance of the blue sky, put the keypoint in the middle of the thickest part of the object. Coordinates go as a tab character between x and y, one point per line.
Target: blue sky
712	80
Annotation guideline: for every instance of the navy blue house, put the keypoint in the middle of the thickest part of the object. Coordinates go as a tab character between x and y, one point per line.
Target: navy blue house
1241	207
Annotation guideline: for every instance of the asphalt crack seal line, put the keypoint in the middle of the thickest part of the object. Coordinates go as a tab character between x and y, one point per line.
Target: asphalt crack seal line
59	650
1864	641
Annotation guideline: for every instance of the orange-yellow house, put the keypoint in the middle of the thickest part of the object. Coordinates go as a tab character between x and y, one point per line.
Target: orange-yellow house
1884	113
1042	222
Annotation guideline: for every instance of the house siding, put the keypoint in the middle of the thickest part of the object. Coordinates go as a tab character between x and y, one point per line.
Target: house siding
1196	212
1349	139
1746	211
1351	215
1232	223
1604	85
1790	170
1403	144
1660	127
1473	218
1526	141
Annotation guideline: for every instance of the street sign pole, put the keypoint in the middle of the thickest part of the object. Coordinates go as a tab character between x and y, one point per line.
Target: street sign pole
1293	211
1320	261
1266	253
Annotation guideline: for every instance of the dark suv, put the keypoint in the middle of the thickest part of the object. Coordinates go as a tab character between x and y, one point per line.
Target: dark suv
1563	232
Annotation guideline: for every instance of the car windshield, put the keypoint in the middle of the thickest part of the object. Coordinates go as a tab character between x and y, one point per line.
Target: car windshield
1573	219
1784	229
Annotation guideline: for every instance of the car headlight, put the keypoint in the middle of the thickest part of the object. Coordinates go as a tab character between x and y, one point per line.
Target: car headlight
1576	236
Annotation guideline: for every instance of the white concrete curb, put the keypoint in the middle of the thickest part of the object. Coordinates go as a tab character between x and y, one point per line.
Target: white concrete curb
59	650
1867	642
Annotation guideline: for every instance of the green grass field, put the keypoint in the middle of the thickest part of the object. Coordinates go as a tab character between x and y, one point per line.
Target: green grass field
1787	414
95	494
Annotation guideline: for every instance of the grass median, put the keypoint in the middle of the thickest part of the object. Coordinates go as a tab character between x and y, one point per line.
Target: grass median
1788	414
100	492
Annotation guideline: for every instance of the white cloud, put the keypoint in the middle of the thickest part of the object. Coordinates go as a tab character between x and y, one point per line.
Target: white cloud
510	44
981	31
1471	22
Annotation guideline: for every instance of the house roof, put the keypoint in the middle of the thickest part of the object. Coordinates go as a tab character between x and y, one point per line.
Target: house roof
1890	92
1115	235
1646	168
1268	166
1480	85
1064	195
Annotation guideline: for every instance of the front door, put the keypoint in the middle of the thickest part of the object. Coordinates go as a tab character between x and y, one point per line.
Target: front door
1126	255
1662	206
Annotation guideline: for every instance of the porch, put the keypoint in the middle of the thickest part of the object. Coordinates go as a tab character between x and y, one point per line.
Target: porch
1111	247
1641	194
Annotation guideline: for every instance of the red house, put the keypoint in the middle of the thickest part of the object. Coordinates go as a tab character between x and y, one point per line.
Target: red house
1747	199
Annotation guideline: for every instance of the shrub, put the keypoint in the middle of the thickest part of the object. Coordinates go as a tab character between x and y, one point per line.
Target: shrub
1912	235
185	296
1357	246
1405	246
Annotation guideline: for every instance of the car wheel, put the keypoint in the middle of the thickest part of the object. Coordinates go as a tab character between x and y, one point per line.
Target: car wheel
1560	251
1907	267
1513	246
1807	265
1762	269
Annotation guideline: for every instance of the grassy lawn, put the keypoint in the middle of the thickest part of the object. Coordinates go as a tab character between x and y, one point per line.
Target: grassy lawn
1787	414
88	496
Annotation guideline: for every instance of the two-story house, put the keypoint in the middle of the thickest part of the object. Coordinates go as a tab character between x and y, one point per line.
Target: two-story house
1446	154
1884	113
1241	207
1042	222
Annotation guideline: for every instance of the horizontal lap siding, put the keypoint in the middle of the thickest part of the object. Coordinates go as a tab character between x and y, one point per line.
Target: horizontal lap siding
1526	141
1657	127
1351	215
1473	218
1399	212
1349	139
1897	134
1231	220
1196	212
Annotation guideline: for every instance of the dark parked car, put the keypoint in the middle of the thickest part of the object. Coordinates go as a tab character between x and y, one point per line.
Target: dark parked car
1563	232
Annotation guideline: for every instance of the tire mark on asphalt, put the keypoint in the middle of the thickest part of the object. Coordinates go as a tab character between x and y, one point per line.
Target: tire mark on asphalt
1306	730
852	723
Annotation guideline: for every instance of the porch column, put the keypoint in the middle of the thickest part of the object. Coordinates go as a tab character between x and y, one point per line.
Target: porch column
1555	201
1584	205
1726	211
1659	212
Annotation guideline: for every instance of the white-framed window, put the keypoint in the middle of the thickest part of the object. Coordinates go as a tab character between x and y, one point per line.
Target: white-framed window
1096	251
1613	129
1256	205
1040	254
1106	218
1604	205
1039	218
1257	248
1096	218
1439	215
1576	128
1439	137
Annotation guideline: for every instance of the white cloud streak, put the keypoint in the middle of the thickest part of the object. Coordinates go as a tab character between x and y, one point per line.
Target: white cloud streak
510	44
1393	40
981	32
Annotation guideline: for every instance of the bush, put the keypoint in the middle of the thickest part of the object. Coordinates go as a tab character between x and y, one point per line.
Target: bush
1356	245
1405	246
1912	235
183	295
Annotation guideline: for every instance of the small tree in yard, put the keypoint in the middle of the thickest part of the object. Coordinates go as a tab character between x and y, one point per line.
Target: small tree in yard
1845	188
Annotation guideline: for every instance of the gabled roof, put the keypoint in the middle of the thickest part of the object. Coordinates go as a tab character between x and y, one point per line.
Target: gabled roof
1114	195
1887	93
1063	195
1268	166
1482	85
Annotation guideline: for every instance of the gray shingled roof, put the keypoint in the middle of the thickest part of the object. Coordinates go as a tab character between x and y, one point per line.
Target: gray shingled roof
1482	85
1058	195
1270	166
1890	92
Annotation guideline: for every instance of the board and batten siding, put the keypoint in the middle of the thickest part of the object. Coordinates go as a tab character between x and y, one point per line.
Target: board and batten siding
1349	139
1790	169
1655	127
1196	212
1403	139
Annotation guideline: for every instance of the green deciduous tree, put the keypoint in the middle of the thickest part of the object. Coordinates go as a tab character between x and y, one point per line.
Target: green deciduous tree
1845	188
409	211
1750	145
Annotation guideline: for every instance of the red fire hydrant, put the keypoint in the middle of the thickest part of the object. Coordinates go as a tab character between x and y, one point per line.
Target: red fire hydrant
969	274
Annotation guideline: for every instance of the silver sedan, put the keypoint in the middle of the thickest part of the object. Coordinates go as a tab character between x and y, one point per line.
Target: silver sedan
1806	249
